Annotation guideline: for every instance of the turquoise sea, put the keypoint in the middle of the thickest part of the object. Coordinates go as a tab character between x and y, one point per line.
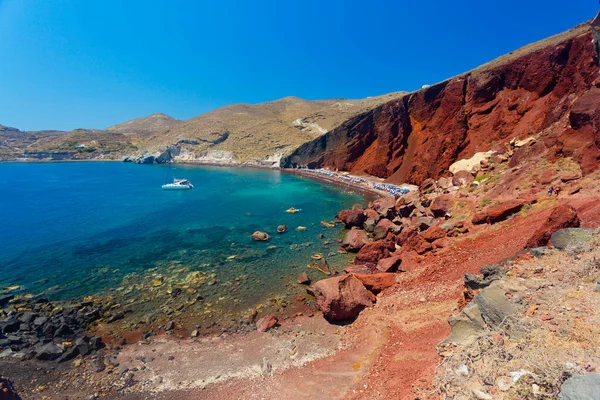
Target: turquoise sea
70	230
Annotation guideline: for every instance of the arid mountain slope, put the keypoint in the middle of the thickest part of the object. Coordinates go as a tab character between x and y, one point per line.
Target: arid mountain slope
250	133
144	126
78	144
546	90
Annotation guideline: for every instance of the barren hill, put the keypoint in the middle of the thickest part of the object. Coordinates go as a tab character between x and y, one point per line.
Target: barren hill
256	132
144	126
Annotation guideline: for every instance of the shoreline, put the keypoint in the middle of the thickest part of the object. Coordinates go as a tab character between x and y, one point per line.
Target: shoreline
369	193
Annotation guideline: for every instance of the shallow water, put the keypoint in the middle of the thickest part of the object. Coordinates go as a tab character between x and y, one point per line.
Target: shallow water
75	229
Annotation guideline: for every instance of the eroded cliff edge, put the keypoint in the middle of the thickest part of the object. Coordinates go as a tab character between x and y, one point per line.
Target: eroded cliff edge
549	90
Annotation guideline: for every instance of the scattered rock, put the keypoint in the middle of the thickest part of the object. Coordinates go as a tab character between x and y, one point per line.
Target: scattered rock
267	322
352	218
434	233
267	367
49	351
341	297
281	228
303	279
581	387
572	238
372	252
170	326
260	236
441	205
563	216
358	269
323	266
501	211
377	282
383	227
390	264
426	184
462	178
355	239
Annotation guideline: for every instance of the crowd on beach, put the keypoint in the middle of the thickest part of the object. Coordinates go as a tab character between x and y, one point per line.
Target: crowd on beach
385	187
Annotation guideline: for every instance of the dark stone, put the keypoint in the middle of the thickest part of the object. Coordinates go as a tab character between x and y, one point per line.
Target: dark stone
539	251
27	317
7	390
63	330
96	343
69	354
10	325
170	326
39	321
5	299
48	352
98	364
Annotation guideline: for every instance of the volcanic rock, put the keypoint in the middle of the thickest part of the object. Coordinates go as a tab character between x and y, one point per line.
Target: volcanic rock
441	205
390	264
267	322
355	239
358	269
49	351
434	233
581	387
323	266
384	226
563	216
341	297
378	281
352	218
501	211
384	206
303	279
373	252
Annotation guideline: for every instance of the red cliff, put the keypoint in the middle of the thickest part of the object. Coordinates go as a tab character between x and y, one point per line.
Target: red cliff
547	90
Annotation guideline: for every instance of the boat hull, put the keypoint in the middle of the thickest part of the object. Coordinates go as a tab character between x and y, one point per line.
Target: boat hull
176	187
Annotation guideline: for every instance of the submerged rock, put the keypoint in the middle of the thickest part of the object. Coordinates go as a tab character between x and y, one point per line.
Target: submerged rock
303	279
260	236
281	228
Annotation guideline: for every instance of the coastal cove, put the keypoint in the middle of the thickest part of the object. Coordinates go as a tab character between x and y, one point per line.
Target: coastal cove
107	230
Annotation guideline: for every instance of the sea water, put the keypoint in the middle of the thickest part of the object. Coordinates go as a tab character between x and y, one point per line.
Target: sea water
69	230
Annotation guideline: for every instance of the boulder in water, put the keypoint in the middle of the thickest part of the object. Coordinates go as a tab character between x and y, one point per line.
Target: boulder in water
260	236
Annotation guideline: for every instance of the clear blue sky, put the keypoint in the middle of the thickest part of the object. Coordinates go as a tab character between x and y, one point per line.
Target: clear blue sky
66	64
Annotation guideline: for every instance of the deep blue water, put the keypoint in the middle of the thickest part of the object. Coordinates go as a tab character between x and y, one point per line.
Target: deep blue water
74	229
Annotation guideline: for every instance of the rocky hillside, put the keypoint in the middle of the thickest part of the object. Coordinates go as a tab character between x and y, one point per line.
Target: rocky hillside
548	91
235	134
255	133
79	144
140	127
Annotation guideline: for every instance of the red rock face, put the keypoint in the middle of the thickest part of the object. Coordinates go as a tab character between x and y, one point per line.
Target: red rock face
563	216
420	135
